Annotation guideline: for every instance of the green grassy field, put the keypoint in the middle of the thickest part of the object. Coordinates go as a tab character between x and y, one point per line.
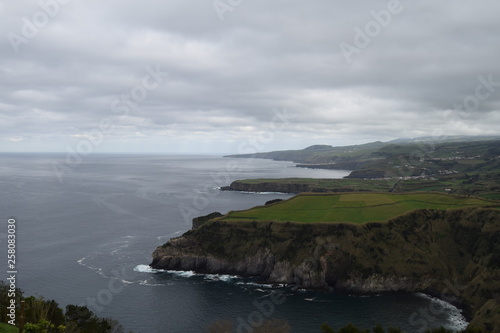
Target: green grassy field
354	207
6	328
485	185
330	184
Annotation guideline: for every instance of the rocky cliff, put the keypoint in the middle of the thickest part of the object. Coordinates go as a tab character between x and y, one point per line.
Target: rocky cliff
451	254
280	186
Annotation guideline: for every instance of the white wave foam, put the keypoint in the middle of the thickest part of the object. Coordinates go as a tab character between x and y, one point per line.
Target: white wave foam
127	282
185	274
146	269
221	277
458	321
254	284
455	316
211	277
314	299
82	263
146	283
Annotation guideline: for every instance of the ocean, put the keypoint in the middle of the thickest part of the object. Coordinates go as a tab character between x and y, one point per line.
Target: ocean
86	230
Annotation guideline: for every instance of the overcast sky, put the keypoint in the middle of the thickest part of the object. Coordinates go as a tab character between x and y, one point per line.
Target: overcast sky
231	76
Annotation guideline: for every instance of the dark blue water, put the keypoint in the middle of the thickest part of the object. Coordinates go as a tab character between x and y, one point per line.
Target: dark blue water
87	236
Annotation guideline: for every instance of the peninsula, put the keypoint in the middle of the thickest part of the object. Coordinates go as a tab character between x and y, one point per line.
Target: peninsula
468	166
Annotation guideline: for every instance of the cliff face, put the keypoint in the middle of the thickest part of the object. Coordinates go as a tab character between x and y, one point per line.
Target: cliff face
453	254
267	187
282	187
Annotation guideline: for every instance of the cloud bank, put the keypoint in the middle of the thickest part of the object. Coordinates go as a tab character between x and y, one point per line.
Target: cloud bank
211	76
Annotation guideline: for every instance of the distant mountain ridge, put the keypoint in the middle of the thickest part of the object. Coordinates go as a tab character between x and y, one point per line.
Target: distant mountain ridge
323	153
426	156
448	138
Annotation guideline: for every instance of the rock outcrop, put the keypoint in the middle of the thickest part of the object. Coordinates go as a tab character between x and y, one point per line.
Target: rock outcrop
199	221
451	254
280	186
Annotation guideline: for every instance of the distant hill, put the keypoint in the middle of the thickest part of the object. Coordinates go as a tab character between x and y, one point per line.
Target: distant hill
399	158
448	138
320	154
326	154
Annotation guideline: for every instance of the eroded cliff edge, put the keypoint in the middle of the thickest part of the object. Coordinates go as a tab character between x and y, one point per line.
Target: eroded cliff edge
285	187
451	254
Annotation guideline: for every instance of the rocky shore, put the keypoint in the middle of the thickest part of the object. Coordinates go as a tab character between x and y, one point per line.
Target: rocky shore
453	255
280	186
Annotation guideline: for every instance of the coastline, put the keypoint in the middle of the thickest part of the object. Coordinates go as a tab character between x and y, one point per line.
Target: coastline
462	318
346	258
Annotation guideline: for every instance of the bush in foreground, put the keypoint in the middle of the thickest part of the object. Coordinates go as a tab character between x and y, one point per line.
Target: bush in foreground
45	316
350	328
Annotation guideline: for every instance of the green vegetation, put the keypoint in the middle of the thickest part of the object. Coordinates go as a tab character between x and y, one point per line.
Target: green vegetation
45	316
426	153
486	185
6	328
320	153
354	207
468	167
325	185
412	215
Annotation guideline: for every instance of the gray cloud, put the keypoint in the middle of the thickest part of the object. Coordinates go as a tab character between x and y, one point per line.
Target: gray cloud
228	78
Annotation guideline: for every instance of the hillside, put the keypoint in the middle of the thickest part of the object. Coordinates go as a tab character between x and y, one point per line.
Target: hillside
321	154
453	166
400	158
451	254
486	185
